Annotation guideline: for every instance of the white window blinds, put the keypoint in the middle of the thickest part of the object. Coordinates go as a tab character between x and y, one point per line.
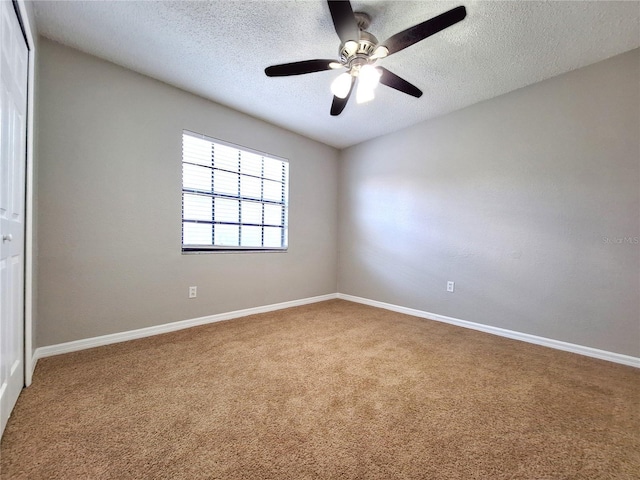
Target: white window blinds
232	198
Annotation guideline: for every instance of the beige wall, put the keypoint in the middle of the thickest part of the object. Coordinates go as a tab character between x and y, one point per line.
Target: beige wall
514	200
109	205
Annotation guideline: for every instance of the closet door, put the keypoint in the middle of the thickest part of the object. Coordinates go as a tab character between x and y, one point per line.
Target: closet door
13	140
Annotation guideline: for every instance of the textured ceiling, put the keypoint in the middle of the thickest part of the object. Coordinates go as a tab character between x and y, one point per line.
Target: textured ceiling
219	49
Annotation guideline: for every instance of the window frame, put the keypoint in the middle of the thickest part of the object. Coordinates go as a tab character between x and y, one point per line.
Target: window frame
204	248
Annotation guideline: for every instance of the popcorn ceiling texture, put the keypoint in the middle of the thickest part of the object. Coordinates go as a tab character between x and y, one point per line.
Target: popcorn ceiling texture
219	49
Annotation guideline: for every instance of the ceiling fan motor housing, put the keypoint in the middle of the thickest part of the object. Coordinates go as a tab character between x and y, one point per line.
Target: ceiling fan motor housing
354	56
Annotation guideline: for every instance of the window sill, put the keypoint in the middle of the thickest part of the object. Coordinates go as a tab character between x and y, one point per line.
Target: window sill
200	251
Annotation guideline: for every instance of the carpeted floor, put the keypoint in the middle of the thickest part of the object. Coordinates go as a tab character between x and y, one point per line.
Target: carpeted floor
333	390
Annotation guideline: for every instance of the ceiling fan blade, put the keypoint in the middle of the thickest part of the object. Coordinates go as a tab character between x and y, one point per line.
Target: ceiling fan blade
412	35
392	80
298	68
338	104
343	20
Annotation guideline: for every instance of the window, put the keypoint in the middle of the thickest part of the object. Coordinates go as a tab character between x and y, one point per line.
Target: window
232	198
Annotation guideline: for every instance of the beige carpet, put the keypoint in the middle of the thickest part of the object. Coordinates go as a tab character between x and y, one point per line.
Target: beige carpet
333	390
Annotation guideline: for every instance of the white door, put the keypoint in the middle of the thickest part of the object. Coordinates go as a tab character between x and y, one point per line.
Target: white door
13	141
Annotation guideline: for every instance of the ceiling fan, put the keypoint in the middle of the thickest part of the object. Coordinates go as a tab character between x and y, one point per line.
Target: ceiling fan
360	50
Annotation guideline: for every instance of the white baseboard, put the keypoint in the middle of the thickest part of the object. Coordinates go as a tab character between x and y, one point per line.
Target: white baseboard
83	344
74	346
525	337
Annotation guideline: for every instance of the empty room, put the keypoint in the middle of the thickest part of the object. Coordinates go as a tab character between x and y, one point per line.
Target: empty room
311	239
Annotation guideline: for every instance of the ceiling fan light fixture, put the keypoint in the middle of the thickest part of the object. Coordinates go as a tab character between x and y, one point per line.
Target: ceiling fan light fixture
351	47
365	93
369	77
380	52
341	86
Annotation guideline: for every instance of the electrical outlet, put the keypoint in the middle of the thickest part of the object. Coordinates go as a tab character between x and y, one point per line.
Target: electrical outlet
193	292
450	286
